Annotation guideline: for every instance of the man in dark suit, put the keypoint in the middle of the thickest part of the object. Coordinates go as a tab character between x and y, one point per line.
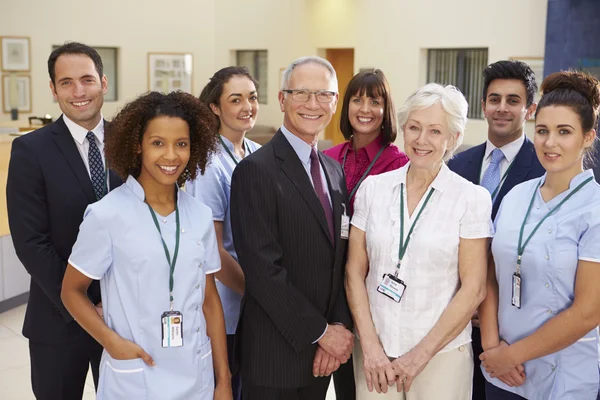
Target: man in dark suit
507	158
288	205
54	174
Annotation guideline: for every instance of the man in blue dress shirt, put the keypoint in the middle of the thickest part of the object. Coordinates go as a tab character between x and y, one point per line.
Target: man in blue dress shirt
507	158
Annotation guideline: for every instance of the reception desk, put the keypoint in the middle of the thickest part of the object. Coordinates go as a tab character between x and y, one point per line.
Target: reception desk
14	279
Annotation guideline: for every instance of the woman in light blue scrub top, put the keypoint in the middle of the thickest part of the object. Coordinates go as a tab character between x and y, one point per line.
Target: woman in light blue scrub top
153	248
232	95
539	320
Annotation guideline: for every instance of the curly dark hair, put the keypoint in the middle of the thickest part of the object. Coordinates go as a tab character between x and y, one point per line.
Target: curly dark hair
124	134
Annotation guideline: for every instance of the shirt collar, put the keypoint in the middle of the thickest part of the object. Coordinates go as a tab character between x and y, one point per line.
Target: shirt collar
439	183
579	178
79	132
301	148
510	150
138	190
372	148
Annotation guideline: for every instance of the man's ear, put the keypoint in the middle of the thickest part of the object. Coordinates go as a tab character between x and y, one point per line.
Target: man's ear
53	90
531	111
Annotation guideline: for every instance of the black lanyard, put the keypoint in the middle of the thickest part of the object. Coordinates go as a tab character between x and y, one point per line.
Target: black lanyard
521	246
362	178
404	244
167	253
229	151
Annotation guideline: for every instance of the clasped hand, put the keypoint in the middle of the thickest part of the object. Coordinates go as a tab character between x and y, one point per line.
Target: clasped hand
334	349
498	363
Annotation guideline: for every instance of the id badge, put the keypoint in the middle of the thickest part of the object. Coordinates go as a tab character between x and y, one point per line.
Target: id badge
172	329
392	287
516	290
345	226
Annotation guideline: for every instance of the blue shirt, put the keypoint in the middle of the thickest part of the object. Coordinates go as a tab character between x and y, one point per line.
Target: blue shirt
548	270
119	244
214	189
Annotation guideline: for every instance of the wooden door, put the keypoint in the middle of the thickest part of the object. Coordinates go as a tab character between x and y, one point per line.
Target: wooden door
343	62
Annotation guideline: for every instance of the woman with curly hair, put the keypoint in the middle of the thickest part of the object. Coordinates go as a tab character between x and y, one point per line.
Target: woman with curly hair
232	96
153	248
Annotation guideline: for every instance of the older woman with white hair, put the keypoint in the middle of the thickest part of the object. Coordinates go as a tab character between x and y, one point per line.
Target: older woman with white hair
417	261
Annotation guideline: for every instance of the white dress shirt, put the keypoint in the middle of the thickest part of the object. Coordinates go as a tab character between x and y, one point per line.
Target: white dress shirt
79	134
457	209
509	150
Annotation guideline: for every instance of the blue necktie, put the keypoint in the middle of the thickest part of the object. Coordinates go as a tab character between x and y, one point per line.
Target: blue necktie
96	166
491	178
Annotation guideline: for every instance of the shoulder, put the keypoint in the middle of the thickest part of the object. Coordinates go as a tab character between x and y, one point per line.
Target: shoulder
396	157
336	151
252	145
193	205
466	188
468	154
385	179
519	192
37	137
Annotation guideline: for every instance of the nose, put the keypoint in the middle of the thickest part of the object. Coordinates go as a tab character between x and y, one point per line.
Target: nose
79	90
247	106
170	153
312	102
422	138
365	107
551	139
503	106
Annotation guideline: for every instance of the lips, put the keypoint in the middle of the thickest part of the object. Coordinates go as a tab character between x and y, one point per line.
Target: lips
310	117
169	169
245	117
365	120
552	156
421	153
81	103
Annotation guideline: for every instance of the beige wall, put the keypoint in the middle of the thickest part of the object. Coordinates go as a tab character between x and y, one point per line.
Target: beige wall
389	34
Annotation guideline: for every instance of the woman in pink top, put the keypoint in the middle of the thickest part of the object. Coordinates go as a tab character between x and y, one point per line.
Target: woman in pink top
368	123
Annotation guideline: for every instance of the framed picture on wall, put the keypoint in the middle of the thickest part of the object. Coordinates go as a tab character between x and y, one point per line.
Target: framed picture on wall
15	53
16	93
168	72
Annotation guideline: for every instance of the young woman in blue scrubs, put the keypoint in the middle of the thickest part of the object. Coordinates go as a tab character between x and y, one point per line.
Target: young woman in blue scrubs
539	320
153	248
232	95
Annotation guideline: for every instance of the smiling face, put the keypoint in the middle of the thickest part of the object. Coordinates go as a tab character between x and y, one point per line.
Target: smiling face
165	150
505	109
366	114
309	118
78	89
560	143
427	137
238	105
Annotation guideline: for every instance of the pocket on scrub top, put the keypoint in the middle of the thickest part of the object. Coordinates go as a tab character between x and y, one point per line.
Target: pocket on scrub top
124	379
205	369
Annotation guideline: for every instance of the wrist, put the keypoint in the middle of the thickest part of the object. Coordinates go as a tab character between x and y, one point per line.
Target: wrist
488	343
223	378
514	355
423	352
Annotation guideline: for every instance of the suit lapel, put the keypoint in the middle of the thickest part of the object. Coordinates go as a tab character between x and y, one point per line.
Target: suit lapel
520	169
67	146
473	171
293	168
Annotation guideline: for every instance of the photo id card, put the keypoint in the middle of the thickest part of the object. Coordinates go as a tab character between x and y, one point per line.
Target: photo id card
392	287
345	226
172	329
516	290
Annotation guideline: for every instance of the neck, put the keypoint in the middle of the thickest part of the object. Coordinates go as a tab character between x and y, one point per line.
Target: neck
422	177
363	140
558	182
500	141
91	124
311	140
235	137
155	192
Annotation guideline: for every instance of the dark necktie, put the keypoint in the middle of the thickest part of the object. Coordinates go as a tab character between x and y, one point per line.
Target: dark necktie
320	189
96	166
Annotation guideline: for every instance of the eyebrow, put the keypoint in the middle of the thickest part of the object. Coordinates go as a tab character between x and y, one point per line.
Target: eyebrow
239	94
81	77
565	126
160	137
499	95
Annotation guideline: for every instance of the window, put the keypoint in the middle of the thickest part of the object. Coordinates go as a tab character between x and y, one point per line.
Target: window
109	63
462	68
256	62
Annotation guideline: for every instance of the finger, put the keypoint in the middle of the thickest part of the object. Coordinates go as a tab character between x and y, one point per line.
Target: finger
330	366
382	381
391	376
317	363
400	384
520	369
408	383
483	356
324	364
369	380
518	378
505	380
146	357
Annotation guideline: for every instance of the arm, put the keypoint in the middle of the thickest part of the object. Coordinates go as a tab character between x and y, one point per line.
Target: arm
378	368
488	310
29	221
559	332
472	254
230	274
255	233
215	329
74	296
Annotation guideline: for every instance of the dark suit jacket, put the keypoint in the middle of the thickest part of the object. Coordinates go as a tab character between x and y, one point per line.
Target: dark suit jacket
526	166
47	191
294	272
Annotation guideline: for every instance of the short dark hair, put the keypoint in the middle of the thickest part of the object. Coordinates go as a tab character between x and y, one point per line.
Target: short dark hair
211	94
125	133
374	84
74	48
511	69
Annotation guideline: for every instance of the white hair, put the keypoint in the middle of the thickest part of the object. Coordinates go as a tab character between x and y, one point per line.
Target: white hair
453	103
287	74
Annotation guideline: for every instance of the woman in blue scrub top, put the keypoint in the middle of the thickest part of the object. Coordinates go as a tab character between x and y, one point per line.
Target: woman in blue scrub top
539	320
232	95
154	250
